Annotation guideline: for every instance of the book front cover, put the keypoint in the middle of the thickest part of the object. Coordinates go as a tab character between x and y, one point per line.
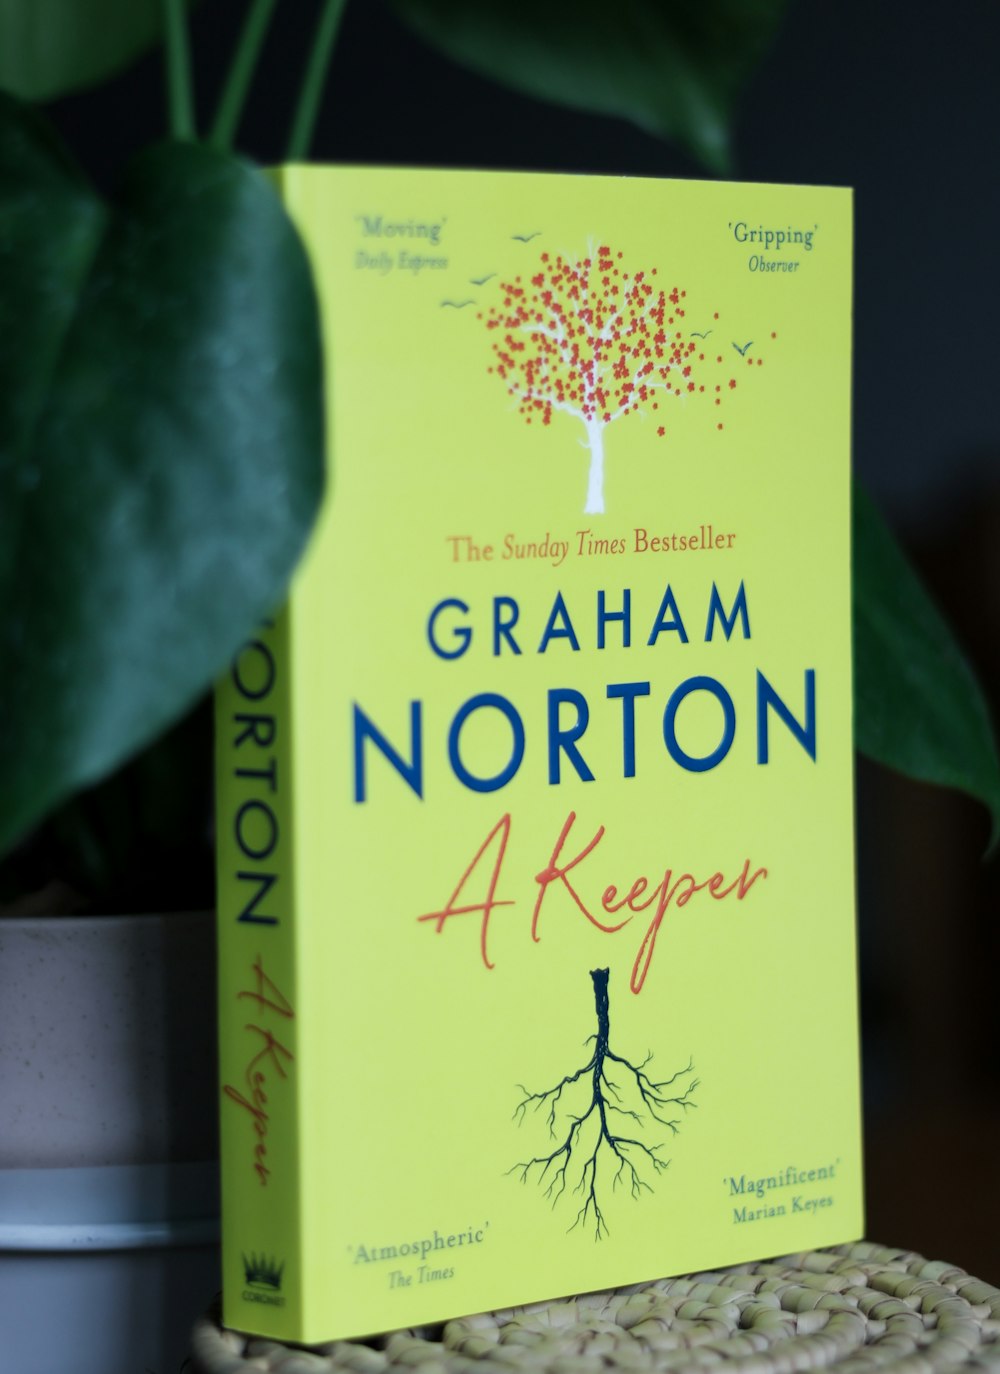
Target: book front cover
560	942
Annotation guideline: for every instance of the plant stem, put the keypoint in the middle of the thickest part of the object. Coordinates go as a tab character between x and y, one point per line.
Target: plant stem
241	72
312	87
180	102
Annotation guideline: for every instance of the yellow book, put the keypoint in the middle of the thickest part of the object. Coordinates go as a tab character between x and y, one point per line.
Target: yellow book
536	908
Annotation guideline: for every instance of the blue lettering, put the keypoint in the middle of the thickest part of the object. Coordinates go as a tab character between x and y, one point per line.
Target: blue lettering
411	773
662	623
566	631
498	703
565	739
627	692
624	615
768	699
502	627
715	609
689	761
462	633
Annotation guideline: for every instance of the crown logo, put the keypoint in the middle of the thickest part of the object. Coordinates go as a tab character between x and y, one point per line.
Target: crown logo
263	1271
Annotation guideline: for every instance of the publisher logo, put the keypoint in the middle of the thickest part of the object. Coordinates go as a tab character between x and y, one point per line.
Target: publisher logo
263	1276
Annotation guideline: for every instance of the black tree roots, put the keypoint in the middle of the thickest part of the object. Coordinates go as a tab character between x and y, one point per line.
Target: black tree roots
574	1160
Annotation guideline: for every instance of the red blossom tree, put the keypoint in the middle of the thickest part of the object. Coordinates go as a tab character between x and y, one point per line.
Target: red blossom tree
597	342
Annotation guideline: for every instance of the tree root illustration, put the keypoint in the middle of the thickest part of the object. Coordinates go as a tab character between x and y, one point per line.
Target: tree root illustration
598	1132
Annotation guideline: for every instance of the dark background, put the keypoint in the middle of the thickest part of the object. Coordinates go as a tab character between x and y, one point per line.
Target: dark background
898	99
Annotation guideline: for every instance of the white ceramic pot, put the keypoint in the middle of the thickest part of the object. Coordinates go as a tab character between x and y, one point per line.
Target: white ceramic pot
108	1140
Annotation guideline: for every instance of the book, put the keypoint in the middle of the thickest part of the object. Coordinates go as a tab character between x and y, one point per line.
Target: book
536	884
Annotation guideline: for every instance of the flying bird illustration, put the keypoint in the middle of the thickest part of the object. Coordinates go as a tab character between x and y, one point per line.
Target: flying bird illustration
695	334
481	281
742	351
526	238
458	305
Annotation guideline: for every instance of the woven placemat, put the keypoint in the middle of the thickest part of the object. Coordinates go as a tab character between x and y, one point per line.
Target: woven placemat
856	1308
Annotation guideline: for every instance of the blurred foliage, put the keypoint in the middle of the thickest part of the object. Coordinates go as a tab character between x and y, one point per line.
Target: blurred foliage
49	47
161	422
672	68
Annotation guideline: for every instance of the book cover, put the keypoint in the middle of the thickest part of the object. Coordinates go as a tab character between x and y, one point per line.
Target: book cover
536	910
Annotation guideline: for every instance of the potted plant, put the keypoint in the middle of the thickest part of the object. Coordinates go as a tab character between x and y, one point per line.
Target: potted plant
161	453
162	461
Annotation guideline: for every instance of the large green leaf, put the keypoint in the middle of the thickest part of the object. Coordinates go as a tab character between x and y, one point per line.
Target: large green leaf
48	47
160	446
918	706
672	67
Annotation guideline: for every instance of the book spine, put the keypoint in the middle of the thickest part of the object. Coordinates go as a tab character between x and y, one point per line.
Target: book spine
258	1051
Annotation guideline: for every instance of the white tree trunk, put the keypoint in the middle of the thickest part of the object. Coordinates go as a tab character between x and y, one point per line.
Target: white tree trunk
595	476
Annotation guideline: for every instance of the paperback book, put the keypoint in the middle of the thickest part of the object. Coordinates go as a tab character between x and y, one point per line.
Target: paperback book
536	885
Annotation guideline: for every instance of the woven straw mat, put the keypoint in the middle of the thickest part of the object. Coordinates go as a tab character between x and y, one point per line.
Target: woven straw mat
855	1308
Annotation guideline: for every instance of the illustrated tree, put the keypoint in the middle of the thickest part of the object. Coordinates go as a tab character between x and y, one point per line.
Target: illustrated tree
597	342
589	1114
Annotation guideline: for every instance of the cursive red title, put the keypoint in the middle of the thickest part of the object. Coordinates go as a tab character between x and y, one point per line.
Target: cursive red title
571	872
269	1056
